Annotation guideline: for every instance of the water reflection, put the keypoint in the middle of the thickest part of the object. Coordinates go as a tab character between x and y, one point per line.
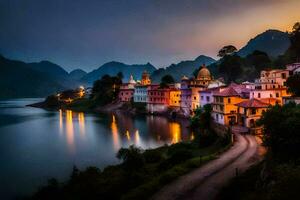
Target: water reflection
70	130
115	133
175	131
59	140
60	121
81	122
137	140
68	127
128	135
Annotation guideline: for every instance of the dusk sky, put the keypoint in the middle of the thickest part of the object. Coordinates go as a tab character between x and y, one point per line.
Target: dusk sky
86	34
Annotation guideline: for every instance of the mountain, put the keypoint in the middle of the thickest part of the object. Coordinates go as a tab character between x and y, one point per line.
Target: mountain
77	74
19	79
49	68
273	42
112	68
183	68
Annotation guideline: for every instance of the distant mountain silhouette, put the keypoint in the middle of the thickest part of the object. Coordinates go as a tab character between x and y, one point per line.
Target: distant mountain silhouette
273	42
182	68
19	79
77	74
112	68
49	68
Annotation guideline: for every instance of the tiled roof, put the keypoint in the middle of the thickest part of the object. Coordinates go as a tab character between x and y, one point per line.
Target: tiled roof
252	103
227	92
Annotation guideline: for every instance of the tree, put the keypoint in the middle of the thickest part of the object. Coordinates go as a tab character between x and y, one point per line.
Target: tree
166	80
293	84
231	67
132	157
292	54
106	89
227	50
258	59
281	131
120	75
295	42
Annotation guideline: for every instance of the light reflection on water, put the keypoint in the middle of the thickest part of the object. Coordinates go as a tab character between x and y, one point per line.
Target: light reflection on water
37	144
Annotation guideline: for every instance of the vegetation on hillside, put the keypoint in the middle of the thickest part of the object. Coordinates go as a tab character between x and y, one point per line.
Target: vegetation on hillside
166	80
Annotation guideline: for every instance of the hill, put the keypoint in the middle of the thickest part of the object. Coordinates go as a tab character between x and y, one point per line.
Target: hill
112	68
273	42
77	74
19	79
182	68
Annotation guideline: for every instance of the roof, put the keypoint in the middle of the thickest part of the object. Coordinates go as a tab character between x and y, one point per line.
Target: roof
203	73
227	92
252	103
209	90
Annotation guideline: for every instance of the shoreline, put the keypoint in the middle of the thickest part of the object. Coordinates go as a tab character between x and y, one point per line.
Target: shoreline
110	108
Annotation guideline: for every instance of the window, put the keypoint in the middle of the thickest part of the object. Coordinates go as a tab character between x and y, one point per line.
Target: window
207	99
195	98
229	100
271	95
253	111
201	97
258	95
277	94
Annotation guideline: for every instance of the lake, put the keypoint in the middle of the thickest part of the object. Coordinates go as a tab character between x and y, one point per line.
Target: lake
36	144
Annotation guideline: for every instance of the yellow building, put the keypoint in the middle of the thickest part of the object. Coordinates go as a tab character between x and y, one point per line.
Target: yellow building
250	111
224	106
175	98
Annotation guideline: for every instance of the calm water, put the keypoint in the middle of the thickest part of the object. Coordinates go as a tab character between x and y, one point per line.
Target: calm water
36	145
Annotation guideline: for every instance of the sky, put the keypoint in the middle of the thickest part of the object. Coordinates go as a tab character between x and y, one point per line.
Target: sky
86	34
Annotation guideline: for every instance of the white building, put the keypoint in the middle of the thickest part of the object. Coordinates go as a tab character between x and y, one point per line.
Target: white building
206	96
140	94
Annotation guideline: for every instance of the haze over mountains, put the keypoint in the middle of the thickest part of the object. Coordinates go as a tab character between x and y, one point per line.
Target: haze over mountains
19	79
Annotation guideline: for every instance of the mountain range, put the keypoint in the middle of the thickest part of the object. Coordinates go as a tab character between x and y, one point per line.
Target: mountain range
20	79
112	68
273	42
182	68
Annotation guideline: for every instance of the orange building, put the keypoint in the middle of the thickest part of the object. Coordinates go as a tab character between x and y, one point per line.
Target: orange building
249	111
224	106
145	78
174	97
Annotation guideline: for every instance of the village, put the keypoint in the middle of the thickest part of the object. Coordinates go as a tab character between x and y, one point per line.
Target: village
239	105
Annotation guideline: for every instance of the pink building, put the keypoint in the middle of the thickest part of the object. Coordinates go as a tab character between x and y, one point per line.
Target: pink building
126	93
158	99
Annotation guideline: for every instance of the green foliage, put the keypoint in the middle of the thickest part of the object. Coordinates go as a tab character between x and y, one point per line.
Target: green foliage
231	66
293	53
281	131
227	50
106	89
201	119
293	84
132	157
166	80
260	60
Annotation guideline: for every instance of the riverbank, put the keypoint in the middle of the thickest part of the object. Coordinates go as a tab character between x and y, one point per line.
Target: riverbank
141	174
88	106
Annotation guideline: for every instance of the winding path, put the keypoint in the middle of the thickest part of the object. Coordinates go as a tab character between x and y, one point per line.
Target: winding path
205	182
